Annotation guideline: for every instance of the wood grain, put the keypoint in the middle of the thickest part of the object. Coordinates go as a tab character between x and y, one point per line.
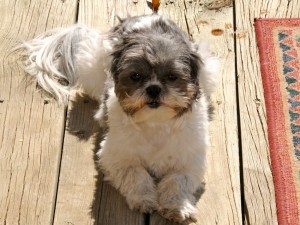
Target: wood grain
77	200
31	128
83	197
221	201
112	208
103	14
260	207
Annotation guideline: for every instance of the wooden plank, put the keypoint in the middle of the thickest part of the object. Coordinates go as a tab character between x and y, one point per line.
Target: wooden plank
260	207
221	201
83	197
103	14
111	206
78	175
31	128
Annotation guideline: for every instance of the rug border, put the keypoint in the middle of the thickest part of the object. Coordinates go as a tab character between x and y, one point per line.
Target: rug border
287	209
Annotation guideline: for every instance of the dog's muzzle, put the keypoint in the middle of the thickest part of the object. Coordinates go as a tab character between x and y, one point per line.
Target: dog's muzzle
153	92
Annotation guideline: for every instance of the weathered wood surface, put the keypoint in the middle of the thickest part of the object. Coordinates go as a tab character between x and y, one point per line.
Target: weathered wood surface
226	191
83	197
260	207
34	132
31	129
221	201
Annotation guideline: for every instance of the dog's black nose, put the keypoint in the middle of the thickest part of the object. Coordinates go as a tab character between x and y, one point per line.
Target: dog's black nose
153	91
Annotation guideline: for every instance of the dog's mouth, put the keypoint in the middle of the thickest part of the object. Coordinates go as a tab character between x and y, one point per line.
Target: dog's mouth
153	104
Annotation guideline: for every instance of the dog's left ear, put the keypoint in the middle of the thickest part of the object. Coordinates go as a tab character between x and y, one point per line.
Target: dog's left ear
206	64
195	63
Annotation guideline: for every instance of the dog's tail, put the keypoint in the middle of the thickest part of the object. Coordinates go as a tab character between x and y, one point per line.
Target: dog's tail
65	58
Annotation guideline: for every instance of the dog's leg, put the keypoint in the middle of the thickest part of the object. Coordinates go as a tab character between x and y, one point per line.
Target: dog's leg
137	186
176	200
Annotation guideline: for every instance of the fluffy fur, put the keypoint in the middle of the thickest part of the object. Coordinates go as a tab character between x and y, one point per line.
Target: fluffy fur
152	84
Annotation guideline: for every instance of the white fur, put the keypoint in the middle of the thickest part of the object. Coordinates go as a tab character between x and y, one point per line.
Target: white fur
174	149
93	61
208	75
77	54
145	22
151	143
176	144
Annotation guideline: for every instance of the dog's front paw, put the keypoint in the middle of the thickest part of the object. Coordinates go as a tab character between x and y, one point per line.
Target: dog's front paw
146	203
177	209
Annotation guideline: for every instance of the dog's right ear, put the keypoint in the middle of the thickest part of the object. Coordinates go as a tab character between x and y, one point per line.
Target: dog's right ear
209	67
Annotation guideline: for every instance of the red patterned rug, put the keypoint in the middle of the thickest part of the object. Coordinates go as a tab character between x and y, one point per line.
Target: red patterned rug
279	49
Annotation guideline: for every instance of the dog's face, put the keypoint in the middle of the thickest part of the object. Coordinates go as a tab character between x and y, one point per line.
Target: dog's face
155	69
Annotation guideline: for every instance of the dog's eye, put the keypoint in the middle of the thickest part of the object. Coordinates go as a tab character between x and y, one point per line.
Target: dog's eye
172	77
135	76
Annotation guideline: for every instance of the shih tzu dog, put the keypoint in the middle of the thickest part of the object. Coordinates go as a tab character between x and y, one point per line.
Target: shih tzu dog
153	85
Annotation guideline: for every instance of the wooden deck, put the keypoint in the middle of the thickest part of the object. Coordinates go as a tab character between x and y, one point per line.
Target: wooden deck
48	173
